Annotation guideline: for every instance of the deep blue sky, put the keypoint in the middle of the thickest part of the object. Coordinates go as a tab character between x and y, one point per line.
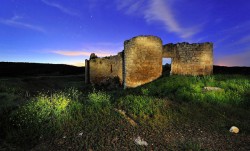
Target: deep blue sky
67	31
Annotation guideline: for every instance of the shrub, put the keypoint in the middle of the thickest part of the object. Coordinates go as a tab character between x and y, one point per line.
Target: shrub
140	106
190	88
99	101
145	91
47	115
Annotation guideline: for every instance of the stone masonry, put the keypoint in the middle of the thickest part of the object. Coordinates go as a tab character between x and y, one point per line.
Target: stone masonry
190	59
141	61
99	69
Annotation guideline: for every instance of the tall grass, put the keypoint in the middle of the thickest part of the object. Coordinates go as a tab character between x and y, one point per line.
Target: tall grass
140	106
185	88
99	99
47	115
56	113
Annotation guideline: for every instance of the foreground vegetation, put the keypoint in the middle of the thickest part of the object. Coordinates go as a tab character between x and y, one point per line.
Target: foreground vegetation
172	113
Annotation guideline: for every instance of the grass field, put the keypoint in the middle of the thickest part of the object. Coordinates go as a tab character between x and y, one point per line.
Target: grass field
171	113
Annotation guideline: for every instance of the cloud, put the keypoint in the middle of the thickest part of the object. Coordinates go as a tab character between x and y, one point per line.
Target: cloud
103	46
240	28
123	4
158	11
14	21
232	36
130	6
71	53
243	40
78	64
101	49
241	59
80	53
60	7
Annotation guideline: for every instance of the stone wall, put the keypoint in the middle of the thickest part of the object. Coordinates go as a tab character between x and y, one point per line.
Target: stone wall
100	69
190	59
87	71
169	50
142	60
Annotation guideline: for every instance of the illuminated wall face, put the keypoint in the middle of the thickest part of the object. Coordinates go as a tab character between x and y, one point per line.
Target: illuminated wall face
100	69
190	59
142	60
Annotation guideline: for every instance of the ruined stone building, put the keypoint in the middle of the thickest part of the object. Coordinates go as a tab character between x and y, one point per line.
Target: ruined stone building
141	61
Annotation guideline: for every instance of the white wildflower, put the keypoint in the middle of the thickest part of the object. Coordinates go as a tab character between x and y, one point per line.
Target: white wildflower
234	129
140	141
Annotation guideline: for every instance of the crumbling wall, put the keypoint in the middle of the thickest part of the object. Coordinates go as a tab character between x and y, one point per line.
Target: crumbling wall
142	60
168	51
100	69
87	71
190	59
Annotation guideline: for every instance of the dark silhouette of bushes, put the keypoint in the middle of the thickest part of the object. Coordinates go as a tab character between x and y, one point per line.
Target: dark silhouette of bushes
13	69
231	70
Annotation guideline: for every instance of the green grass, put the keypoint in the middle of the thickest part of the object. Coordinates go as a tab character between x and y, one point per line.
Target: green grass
83	118
184	88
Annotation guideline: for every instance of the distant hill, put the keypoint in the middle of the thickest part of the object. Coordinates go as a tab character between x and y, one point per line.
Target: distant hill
12	69
231	70
218	70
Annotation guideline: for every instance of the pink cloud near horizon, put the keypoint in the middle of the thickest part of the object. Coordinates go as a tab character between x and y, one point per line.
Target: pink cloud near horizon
78	64
241	59
80	53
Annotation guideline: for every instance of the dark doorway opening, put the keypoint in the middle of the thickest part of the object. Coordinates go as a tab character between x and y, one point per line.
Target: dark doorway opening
166	66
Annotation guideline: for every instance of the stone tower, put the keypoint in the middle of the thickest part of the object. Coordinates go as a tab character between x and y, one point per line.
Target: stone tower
142	60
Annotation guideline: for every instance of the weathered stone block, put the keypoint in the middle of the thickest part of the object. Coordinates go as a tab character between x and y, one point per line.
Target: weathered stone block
146	65
197	55
103	68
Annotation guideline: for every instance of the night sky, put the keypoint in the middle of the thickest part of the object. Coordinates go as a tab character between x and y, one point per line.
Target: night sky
67	31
